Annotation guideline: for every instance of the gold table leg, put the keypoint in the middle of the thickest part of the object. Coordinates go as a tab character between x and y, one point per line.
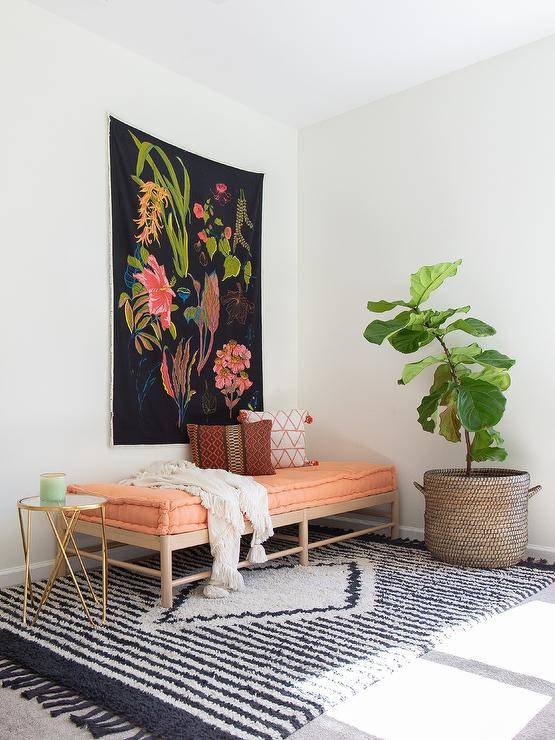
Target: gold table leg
62	544
25	541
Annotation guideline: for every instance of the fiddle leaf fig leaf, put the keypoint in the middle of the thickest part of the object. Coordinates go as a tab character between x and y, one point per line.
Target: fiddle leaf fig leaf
383	306
495	359
442	375
410	340
429	278
449	423
493	375
479	404
437	318
487	445
471	326
379	330
412	369
465	354
428	408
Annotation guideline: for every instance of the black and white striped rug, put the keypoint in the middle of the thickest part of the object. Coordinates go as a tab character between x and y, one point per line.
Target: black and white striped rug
260	664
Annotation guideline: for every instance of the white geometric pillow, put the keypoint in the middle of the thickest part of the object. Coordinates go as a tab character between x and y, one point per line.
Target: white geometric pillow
287	438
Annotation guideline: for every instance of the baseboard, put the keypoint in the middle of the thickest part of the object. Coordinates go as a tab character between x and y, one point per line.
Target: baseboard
542	552
41	570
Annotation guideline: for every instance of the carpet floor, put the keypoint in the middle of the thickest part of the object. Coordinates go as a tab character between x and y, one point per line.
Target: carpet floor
369	573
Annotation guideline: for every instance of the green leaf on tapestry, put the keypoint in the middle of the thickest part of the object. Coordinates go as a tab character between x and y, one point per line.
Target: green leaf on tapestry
151	338
479	404
173	330
123	298
143	323
495	359
232	266
191	313
174	307
382	306
138	289
247	272
379	330
211	246
144	255
471	326
218	222
144	149
134	262
129	316
224	246
413	369
429	278
410	340
449	424
428	408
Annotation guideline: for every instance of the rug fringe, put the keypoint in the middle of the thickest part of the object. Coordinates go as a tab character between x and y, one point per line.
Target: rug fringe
62	701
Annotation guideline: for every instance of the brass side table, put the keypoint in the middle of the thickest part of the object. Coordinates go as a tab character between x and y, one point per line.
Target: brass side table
69	513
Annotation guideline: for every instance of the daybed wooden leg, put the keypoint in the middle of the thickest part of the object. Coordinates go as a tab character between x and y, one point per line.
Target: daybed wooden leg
395	518
303	541
166	577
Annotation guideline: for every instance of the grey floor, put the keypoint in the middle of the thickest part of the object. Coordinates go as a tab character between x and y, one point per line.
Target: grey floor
493	682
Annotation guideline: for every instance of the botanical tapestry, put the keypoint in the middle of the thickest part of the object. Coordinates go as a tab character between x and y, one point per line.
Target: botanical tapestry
187	343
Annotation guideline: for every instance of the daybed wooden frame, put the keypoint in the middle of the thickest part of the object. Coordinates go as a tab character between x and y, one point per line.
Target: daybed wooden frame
167	544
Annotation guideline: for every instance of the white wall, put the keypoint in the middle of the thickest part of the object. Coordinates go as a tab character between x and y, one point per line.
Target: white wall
58	84
463	166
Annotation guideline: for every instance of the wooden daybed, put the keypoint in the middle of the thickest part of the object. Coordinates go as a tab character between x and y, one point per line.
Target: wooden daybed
166	520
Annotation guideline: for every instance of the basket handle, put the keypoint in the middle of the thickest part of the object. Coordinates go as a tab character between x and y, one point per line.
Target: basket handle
534	490
420	488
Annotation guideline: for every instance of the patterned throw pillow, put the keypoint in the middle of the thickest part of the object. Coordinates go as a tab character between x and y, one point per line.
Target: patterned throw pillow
240	448
288	442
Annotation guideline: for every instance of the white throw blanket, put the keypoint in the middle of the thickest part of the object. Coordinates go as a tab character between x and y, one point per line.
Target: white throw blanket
226	497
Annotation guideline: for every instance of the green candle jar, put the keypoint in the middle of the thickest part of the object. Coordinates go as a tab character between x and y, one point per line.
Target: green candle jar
53	488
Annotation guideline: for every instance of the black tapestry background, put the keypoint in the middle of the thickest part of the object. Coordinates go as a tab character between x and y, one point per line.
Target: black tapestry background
186	279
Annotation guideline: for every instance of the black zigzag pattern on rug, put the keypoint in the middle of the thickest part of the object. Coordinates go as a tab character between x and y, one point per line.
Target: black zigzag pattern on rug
176	677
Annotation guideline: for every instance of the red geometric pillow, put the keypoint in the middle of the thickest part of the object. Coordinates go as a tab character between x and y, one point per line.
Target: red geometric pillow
240	448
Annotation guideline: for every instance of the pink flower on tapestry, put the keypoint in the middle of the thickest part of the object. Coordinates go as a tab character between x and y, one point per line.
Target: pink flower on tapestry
227	232
202	236
229	368
198	210
160	294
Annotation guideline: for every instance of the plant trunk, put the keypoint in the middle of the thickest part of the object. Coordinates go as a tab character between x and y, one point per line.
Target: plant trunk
468	453
456	382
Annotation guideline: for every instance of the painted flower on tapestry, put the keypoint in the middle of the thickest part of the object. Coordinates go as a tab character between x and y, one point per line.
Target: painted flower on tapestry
227	232
160	294
198	210
202	236
222	195
152	200
229	368
237	305
177	383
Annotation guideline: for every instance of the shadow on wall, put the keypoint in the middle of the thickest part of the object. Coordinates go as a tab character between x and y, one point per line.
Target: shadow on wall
329	443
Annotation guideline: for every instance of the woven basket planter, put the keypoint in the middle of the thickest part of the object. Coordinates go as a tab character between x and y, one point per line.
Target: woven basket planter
479	520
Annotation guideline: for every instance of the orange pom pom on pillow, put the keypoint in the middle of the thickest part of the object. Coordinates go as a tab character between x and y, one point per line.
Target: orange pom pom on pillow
288	435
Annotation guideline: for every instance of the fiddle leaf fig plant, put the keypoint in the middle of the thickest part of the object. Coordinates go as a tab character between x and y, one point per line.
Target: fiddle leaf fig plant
466	396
